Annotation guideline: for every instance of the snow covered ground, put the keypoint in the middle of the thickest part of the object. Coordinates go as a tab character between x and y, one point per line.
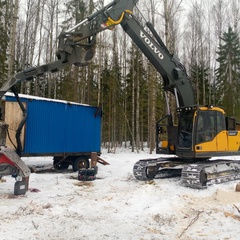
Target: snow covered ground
116	206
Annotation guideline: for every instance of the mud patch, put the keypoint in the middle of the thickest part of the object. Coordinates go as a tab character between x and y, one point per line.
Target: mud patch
225	197
84	184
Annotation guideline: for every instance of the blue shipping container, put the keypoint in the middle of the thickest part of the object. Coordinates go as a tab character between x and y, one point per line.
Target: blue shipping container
58	127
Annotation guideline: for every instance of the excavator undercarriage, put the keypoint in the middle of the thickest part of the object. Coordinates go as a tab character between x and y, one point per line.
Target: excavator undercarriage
197	148
193	174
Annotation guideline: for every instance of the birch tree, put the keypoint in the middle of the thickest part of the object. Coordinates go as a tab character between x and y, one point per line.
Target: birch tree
40	84
26	41
13	33
5	14
197	50
151	90
51	15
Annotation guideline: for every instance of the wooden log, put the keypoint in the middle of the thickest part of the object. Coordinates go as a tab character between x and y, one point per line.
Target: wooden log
100	160
227	214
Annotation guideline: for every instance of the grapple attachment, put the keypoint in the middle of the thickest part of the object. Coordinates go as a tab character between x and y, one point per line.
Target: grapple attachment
11	164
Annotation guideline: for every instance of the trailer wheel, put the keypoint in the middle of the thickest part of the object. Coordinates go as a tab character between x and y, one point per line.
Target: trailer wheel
79	163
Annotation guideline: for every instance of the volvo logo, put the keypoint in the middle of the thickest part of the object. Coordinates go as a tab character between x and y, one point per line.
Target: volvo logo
151	45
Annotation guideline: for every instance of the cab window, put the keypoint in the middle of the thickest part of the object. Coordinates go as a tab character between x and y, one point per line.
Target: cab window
185	129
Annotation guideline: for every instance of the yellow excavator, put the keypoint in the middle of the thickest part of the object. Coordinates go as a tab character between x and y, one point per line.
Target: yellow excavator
202	132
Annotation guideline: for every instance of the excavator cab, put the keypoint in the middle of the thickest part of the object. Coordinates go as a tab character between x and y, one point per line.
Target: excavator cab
202	132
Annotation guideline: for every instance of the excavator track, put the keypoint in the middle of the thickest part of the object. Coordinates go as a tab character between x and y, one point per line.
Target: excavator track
148	169
197	175
201	175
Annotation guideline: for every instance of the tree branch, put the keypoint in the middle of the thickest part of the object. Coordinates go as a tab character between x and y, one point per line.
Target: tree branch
191	223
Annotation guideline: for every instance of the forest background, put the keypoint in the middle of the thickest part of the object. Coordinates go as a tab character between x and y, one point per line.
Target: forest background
204	34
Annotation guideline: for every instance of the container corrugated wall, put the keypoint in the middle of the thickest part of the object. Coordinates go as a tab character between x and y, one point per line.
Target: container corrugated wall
54	127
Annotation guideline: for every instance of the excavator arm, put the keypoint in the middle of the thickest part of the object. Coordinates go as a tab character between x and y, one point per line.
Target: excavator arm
67	55
77	45
120	12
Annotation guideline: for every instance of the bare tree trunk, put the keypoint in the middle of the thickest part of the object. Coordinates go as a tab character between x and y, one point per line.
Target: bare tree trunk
109	121
115	88
13	33
24	61
124	57
133	104
40	83
56	41
171	8
137	107
34	32
152	93
52	8
219	16
151	107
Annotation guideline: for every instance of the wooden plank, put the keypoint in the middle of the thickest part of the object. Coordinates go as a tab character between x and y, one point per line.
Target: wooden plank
227	214
93	159
100	160
13	116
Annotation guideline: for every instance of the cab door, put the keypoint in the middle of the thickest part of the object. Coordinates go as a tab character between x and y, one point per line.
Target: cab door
206	131
211	133
233	135
222	133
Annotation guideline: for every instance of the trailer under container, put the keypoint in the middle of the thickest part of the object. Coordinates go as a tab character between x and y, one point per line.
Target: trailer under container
68	131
